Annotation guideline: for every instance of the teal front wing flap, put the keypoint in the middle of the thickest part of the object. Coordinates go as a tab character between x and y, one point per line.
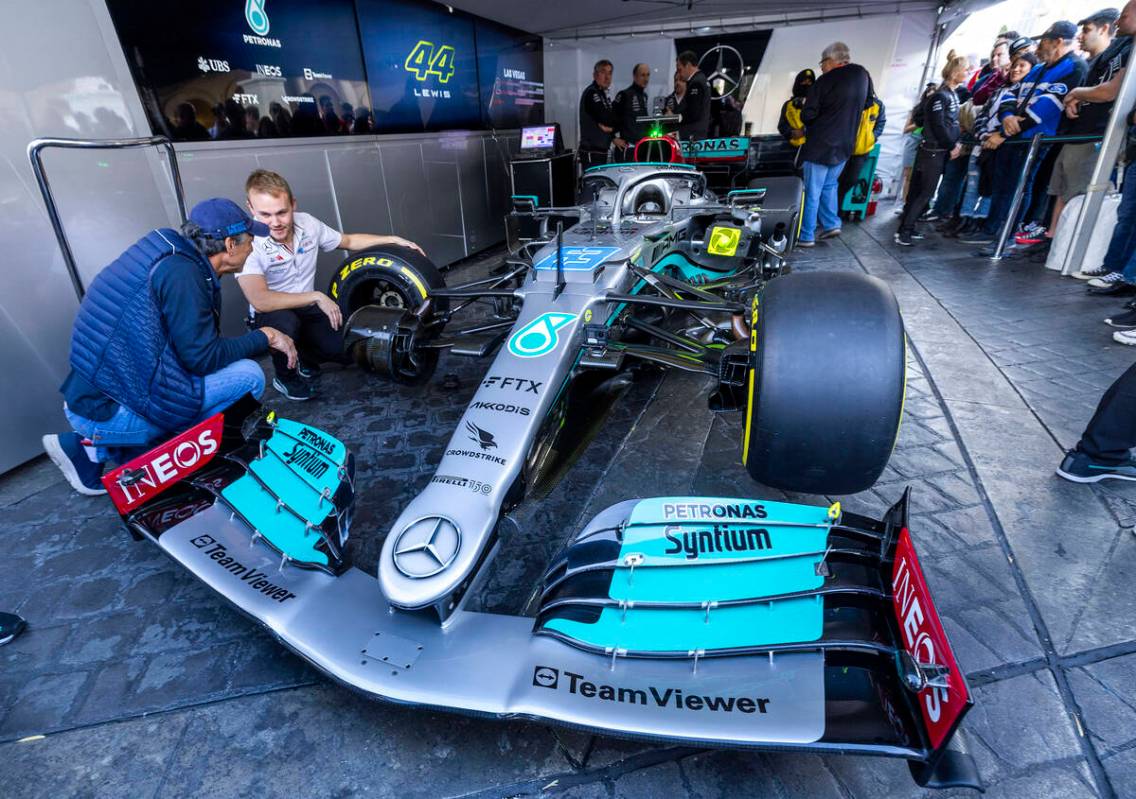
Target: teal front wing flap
698	550
289	492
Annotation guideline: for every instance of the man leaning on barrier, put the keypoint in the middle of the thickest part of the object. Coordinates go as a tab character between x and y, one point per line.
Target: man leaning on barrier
147	356
1036	107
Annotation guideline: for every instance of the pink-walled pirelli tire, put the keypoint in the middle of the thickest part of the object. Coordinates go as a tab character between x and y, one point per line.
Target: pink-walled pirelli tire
826	382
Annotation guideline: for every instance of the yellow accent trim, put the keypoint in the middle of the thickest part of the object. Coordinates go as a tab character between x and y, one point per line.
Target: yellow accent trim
28	739
800	214
271	418
749	401
902	399
335	290
724	240
834	511
414	279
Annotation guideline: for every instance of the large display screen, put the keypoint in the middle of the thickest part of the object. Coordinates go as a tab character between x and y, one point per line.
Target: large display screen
237	69
511	68
421	65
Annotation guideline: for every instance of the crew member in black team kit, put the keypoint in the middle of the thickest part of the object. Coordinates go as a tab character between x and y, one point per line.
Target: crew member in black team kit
597	118
695	105
630	105
940	142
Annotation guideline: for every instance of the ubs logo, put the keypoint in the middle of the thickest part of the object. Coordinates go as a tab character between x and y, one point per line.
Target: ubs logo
546	677
256	17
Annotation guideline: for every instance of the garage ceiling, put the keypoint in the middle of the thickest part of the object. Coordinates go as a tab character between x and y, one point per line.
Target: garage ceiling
584	18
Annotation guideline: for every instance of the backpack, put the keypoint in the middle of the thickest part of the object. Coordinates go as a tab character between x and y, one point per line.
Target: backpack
866	134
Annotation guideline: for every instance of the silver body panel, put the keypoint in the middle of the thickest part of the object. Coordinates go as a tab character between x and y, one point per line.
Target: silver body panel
492	440
492	664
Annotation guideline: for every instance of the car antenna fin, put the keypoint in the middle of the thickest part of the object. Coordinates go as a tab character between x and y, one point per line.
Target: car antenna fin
560	283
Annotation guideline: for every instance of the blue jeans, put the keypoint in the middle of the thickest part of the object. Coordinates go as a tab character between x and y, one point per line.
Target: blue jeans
1119	257
973	204
127	435
950	187
1009	161
820	198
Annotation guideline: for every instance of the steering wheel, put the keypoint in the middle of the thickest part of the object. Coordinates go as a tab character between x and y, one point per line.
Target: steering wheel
724	58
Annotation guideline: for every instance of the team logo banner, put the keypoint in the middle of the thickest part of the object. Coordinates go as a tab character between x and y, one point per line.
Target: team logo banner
926	641
143	478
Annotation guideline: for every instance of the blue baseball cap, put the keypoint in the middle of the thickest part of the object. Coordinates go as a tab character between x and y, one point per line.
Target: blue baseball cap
220	218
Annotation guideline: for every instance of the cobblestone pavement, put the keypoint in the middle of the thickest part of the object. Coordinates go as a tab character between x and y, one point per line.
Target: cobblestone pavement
145	684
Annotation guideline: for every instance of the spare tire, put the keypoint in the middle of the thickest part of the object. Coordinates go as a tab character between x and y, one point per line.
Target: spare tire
826	382
387	276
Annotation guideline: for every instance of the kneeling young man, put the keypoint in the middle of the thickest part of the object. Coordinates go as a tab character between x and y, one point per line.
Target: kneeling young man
147	357
279	280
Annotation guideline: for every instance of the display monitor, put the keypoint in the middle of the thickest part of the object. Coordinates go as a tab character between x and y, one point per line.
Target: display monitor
542	137
421	65
510	64
239	69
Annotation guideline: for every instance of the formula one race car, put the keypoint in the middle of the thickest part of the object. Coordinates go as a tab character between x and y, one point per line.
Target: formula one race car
722	622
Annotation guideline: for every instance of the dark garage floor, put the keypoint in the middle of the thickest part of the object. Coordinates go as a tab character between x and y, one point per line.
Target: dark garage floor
135	681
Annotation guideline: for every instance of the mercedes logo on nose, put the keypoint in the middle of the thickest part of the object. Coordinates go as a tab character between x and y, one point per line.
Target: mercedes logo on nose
426	547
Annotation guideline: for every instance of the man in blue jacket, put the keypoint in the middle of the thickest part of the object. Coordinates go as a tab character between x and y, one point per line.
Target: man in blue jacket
1036	106
147	357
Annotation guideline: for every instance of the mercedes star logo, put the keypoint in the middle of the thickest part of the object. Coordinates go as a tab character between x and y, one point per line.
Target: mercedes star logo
426	547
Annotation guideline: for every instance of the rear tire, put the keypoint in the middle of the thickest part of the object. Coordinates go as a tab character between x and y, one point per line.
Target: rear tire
826	383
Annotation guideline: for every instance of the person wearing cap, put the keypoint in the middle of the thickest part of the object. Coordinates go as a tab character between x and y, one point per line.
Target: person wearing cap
1035	106
279	280
147	356
1073	168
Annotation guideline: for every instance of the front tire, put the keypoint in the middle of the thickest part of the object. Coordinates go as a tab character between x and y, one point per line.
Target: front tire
826	382
389	277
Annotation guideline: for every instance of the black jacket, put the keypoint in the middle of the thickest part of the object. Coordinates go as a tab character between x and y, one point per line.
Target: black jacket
941	120
832	114
595	110
630	104
695	108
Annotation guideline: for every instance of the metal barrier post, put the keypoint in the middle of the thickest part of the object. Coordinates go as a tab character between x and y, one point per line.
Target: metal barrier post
1016	205
37	146
1114	137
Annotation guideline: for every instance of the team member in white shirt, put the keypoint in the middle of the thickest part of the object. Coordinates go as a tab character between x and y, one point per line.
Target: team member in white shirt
279	278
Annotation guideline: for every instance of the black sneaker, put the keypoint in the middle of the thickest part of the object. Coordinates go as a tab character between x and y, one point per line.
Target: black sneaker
11	625
67	452
831	233
918	235
803	243
903	239
929	216
309	371
979	238
294	388
1124	321
1110	285
1080	468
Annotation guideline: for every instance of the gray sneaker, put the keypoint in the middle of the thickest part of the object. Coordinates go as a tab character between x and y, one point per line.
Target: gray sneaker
1080	468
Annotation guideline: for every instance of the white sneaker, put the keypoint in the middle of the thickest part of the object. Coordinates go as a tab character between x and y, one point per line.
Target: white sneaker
1089	274
899	210
1125	337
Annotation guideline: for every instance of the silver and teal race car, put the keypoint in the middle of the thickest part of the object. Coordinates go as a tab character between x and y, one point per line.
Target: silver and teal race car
711	621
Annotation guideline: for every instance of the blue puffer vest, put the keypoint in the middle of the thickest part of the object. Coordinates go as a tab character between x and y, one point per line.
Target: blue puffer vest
120	344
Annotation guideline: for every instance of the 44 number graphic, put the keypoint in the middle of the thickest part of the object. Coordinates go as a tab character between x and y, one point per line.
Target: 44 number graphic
426	60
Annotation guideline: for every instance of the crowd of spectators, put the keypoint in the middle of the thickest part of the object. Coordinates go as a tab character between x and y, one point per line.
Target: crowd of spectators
232	120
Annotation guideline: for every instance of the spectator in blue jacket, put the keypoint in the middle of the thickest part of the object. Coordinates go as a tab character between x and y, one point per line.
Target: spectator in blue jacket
1035	106
147	357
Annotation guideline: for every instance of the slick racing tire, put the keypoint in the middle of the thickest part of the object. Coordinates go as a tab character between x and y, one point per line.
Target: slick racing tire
390	277
826	382
380	290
